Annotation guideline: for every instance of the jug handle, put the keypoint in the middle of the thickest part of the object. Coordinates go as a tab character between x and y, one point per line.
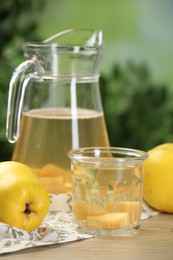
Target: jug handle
16	93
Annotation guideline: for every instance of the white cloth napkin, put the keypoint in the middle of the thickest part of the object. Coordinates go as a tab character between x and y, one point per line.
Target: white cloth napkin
57	227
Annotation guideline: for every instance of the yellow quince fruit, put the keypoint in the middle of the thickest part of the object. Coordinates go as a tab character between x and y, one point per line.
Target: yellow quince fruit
24	202
158	178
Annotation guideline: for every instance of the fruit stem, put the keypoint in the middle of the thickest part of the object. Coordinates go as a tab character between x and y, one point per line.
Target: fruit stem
27	208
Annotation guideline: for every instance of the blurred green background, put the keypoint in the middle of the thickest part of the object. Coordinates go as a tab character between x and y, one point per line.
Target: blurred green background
136	73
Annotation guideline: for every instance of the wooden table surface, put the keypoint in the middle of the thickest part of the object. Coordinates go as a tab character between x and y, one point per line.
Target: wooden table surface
153	241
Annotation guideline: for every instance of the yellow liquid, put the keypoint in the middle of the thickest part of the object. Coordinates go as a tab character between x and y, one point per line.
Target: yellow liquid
46	135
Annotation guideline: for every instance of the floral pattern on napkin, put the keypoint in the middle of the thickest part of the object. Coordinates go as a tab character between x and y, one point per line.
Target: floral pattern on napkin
57	227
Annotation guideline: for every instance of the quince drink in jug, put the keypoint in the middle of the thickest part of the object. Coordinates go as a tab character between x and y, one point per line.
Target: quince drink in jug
55	105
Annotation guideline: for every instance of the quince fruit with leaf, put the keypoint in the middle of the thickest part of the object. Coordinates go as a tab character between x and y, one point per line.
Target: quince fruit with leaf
158	178
24	202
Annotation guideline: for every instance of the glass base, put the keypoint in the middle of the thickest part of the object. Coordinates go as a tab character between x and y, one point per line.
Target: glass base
107	232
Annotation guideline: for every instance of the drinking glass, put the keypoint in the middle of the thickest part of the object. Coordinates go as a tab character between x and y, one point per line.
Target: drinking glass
107	189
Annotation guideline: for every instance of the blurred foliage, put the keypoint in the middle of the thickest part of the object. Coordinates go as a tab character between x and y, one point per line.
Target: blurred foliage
138	112
18	24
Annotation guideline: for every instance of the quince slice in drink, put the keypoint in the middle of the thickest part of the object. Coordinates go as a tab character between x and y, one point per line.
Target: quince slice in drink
133	208
109	206
83	209
56	180
51	170
54	185
109	221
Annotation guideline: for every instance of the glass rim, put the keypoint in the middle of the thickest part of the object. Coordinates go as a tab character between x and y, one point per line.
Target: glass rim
90	155
58	48
50	44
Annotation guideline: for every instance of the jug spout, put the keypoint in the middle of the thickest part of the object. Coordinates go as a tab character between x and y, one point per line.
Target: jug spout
79	38
71	52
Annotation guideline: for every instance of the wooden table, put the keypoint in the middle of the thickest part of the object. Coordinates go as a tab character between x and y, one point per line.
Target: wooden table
154	241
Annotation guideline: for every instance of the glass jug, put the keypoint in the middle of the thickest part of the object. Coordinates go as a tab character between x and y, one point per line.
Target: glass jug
54	104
